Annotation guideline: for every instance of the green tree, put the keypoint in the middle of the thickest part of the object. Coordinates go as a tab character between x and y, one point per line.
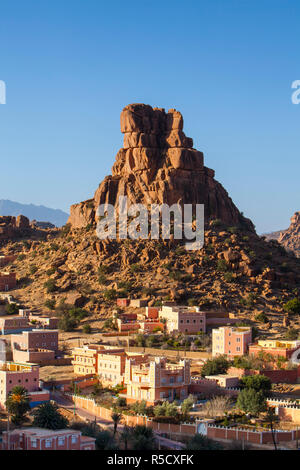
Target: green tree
17	404
199	442
261	317
256	382
143	438
251	401
104	439
218	365
50	286
48	416
66	323
292	306
187	405
11	309
292	334
50	304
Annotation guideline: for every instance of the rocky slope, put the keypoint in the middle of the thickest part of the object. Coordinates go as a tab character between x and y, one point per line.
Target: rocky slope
289	238
156	165
13	228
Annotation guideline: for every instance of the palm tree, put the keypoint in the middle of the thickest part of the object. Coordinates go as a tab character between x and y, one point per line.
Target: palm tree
143	438
116	417
48	416
126	435
271	419
17	404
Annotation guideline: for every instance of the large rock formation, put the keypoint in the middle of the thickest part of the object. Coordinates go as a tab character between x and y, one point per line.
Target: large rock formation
290	238
156	165
13	227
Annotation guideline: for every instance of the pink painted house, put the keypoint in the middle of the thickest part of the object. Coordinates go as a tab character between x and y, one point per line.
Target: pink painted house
13	374
46	439
231	341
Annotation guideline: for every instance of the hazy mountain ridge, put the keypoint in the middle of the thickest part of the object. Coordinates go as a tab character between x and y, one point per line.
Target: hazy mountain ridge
33	212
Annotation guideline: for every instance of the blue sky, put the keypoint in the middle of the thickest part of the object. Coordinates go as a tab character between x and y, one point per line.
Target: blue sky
71	66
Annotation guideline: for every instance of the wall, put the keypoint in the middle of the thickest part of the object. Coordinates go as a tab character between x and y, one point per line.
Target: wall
187	429
170	353
254	437
36	357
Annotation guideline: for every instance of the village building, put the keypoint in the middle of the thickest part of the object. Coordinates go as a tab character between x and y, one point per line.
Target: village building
45	439
182	319
8	281
47	339
289	350
231	341
6	259
36	346
14	374
156	380
9	325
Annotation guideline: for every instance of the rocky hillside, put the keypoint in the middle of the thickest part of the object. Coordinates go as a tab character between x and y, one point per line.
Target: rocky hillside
289	238
13	228
236	269
156	165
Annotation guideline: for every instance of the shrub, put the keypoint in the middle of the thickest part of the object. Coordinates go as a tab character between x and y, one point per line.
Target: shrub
216	223
33	269
51	271
261	317
292	306
50	304
192	302
229	277
50	286
87	329
110	294
102	279
135	268
12	309
222	265
292	334
54	246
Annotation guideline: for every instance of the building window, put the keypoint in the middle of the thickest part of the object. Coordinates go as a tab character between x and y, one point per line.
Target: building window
74	439
33	443
61	441
48	443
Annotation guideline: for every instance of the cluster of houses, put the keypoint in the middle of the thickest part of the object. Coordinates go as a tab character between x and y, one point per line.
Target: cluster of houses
142	378
237	341
170	318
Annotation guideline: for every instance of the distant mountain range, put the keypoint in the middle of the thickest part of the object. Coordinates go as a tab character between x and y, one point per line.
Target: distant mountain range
32	212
